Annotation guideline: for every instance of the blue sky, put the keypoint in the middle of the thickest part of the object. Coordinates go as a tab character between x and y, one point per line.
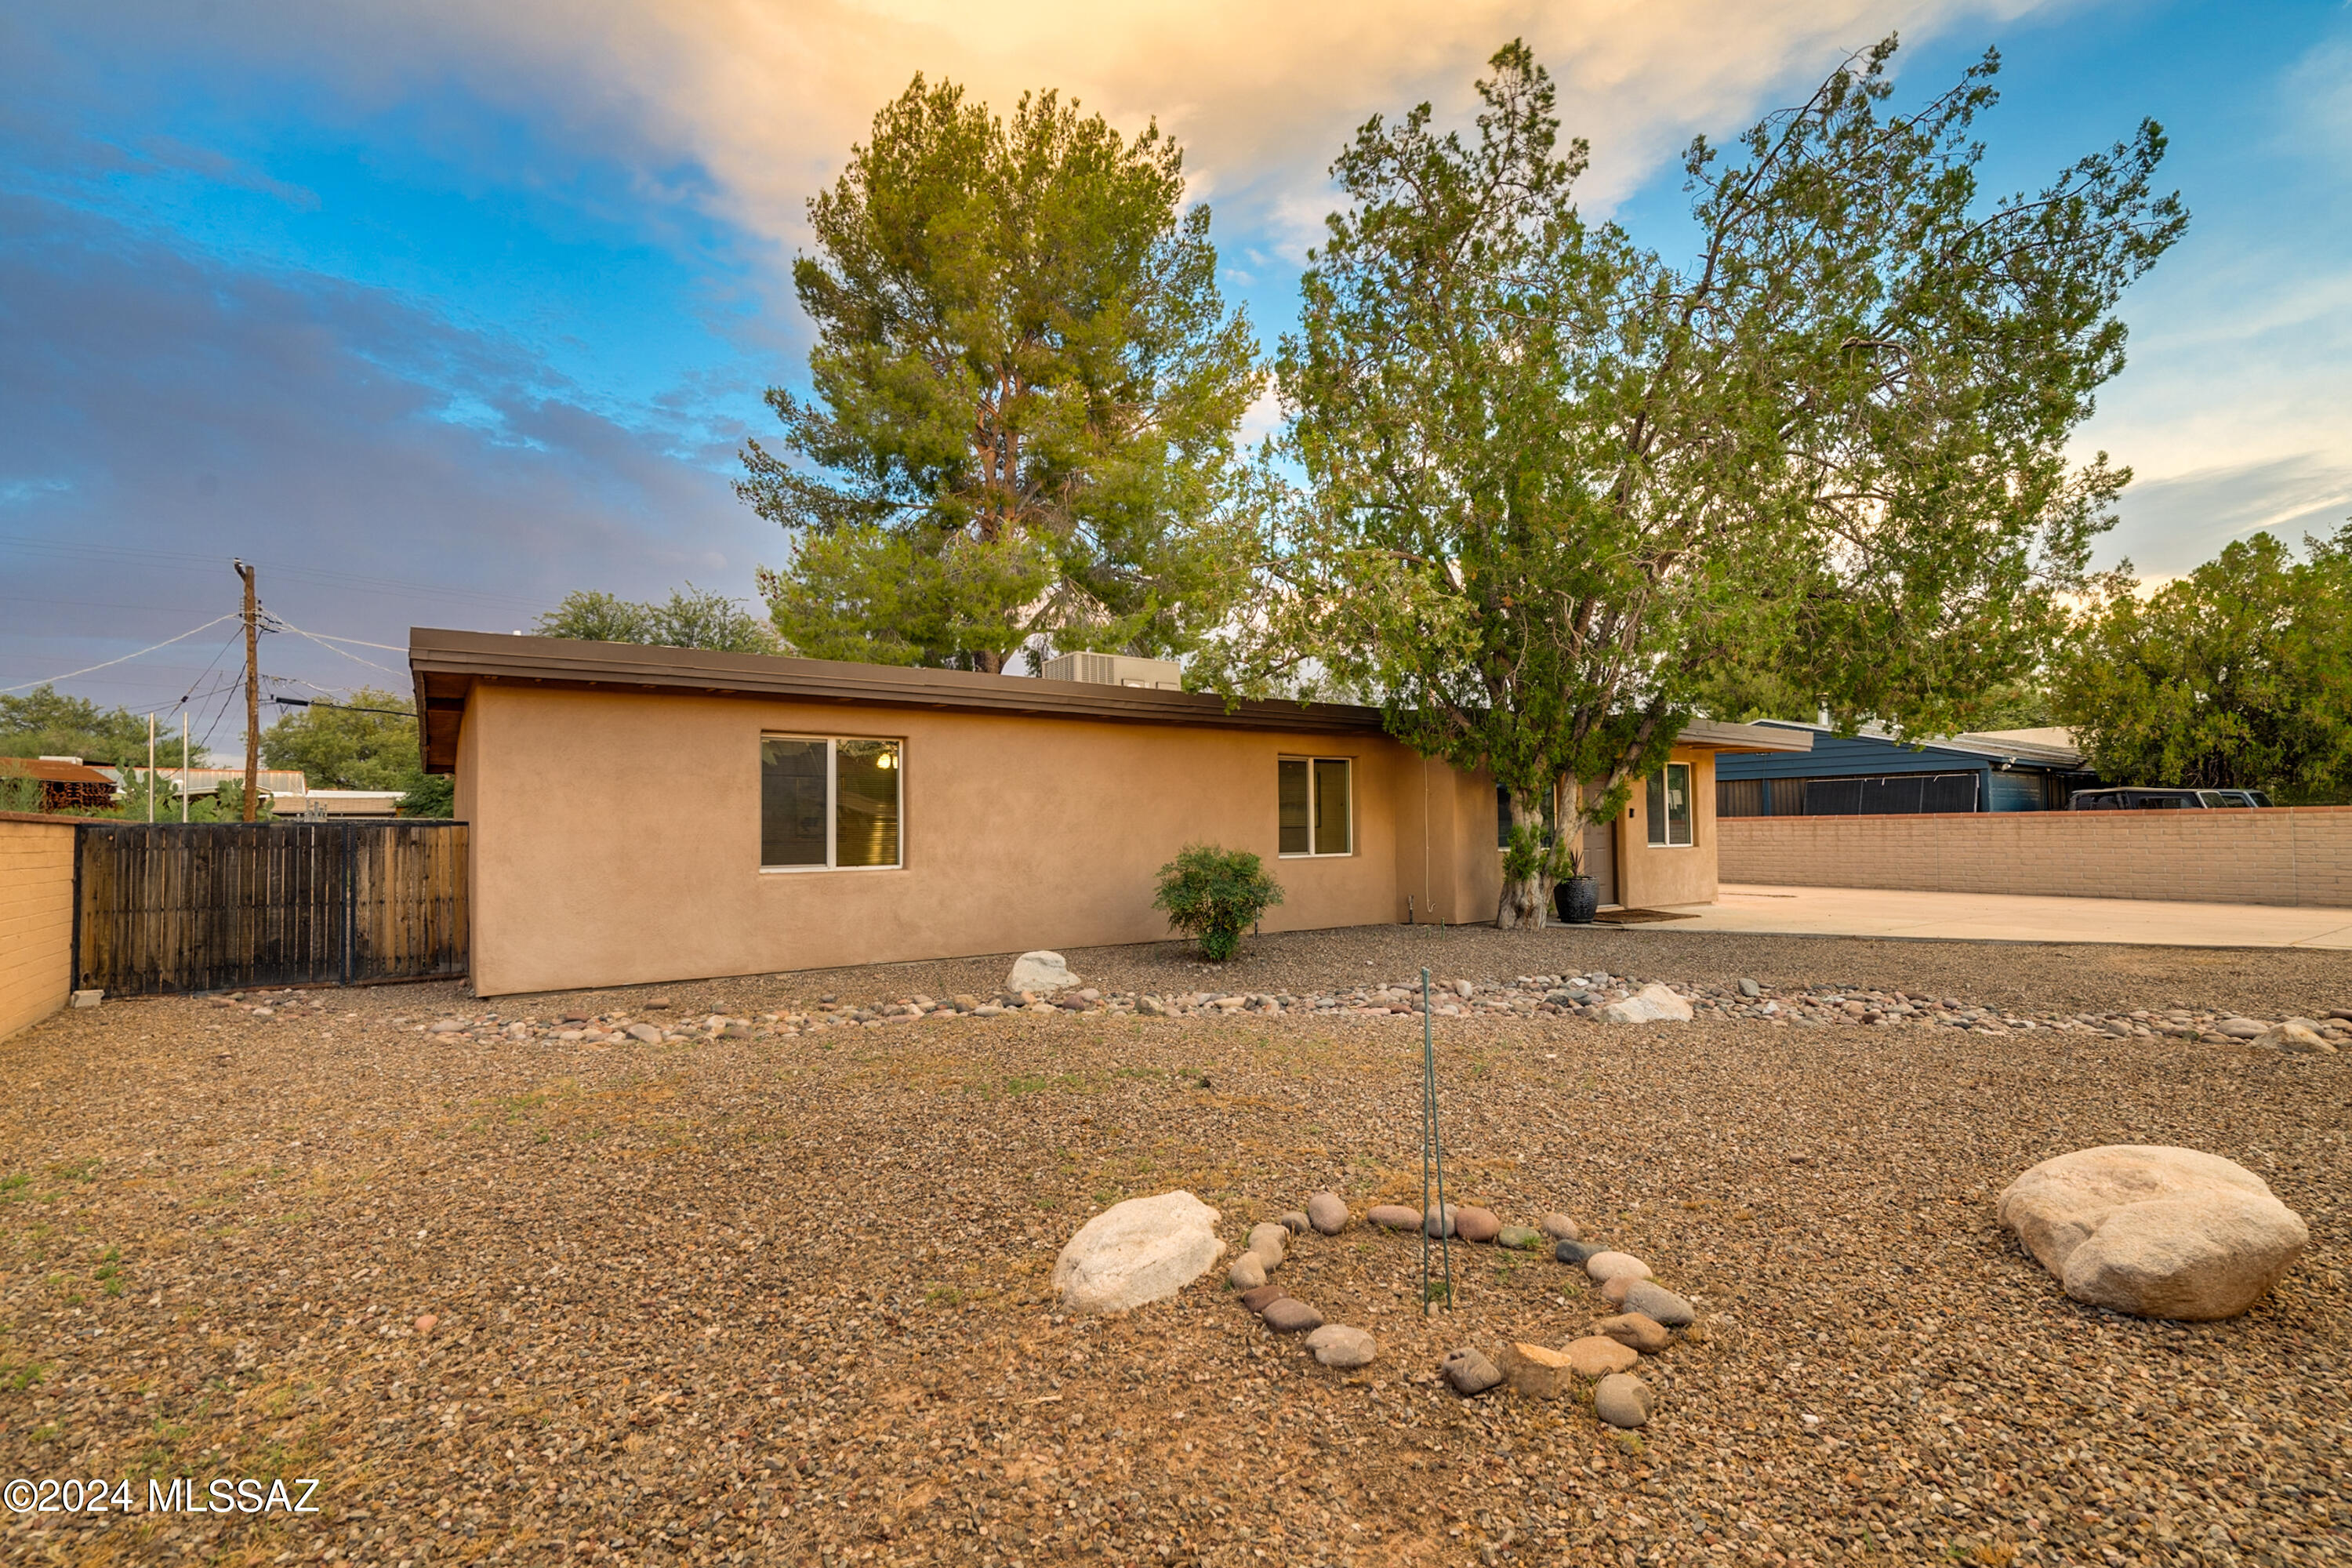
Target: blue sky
438	310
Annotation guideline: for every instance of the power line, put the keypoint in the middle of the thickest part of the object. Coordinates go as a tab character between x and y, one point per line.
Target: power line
305	574
88	605
210	667
338	707
329	644
127	658
227	692
355	642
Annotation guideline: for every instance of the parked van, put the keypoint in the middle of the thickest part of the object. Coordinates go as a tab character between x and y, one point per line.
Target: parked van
2160	799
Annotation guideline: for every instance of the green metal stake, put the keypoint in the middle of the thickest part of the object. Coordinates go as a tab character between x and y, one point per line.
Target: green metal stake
1433	1150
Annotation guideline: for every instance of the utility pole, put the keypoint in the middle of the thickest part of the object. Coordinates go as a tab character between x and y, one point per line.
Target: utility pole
183	764
252	694
151	770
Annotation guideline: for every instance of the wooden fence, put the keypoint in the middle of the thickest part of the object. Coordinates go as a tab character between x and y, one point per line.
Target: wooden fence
215	906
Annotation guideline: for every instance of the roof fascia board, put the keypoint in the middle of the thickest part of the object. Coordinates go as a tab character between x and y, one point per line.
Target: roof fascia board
1973	746
445	664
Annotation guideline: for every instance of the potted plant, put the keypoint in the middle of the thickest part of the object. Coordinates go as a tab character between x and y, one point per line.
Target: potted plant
1576	895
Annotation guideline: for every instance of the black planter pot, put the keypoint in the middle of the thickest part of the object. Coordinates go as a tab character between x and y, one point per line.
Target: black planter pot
1577	897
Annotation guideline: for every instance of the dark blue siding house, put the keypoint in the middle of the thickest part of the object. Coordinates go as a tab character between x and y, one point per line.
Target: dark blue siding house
1872	775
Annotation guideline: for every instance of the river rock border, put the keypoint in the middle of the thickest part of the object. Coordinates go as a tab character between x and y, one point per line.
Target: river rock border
1646	1322
1603	998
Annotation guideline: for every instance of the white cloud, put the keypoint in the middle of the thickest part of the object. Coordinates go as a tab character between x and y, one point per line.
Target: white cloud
2170	525
766	96
2319	90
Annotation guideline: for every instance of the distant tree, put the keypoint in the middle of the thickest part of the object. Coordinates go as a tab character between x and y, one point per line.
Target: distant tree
2025	704
1027	387
588	615
1740	689
695	617
433	794
366	741
45	722
2238	676
1551	480
690	617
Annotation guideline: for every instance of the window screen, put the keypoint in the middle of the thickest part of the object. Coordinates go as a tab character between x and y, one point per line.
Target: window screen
1669	814
1891	795
1332	828
829	802
1315	807
792	802
1739	797
1298	812
865	803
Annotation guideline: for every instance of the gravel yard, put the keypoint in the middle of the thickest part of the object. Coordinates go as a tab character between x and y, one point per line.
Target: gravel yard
775	1292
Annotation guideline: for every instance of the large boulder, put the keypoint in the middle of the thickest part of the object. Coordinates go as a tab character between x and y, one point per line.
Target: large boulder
1145	1250
1040	970
1650	1005
2155	1231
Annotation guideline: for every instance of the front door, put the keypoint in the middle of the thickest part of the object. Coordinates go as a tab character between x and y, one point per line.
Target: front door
1601	859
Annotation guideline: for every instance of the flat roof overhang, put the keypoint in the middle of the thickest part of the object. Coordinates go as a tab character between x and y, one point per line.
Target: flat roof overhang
445	666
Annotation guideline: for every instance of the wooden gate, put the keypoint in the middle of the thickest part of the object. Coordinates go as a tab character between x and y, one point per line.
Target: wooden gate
217	905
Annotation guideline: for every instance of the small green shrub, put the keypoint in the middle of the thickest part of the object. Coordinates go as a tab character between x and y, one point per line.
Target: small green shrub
1214	895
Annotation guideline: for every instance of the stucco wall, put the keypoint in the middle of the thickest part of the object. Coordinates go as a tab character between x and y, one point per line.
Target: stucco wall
2288	857
1656	876
36	895
616	837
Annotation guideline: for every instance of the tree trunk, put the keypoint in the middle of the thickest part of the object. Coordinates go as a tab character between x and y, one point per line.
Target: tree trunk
1523	902
1525	899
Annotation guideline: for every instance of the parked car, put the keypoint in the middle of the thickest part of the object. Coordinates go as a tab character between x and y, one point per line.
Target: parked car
2156	800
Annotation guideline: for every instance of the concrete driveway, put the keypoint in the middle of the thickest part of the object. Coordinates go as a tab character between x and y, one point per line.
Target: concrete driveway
1871	911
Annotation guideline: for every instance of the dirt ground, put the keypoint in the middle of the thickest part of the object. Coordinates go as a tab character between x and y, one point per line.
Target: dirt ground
784	1299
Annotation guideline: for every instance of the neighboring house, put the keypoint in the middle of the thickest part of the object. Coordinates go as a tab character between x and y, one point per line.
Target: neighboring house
642	814
284	787
287	790
1871	774
340	803
67	784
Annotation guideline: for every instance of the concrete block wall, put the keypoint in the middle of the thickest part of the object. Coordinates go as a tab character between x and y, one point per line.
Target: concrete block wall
2290	856
37	900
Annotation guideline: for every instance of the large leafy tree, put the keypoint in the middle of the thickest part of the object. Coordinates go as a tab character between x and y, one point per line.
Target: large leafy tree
45	722
690	617
1552	480
1026	390
366	741
2238	676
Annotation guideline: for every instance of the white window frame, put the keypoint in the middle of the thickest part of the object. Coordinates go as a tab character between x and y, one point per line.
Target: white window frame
833	804
1310	852
1666	824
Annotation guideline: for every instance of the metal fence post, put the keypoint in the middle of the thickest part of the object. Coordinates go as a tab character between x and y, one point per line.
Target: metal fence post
1433	1153
350	893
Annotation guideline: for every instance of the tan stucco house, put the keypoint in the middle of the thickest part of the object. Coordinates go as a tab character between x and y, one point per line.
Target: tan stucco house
652	814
